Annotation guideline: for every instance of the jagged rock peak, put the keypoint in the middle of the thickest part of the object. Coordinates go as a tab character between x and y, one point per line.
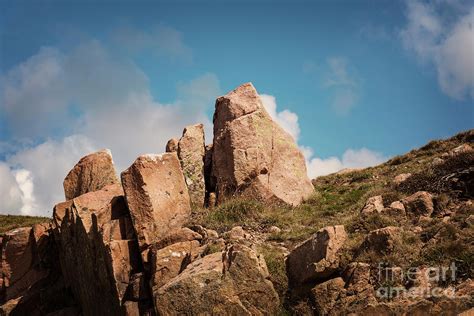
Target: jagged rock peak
191	151
252	154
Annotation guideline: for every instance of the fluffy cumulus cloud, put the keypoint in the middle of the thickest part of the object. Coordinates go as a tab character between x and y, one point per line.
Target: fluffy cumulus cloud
352	158
90	98
286	119
10	192
441	33
39	172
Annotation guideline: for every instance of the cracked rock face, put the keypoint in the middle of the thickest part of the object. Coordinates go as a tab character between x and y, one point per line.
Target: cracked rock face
98	249
91	173
234	284
254	156
157	197
20	255
316	258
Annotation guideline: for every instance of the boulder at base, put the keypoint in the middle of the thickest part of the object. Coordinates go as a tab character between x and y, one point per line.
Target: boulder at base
231	284
157	197
252	155
317	258
91	173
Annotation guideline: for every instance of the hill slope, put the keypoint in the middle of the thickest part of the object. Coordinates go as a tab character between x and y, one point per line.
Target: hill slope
415	210
445	168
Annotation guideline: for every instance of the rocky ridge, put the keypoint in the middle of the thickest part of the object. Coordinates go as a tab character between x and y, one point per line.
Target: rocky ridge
167	238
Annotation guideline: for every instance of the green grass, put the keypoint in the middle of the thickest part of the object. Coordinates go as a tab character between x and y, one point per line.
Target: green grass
275	260
9	222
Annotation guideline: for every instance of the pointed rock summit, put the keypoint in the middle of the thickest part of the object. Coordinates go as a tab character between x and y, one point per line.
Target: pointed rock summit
191	151
91	173
252	154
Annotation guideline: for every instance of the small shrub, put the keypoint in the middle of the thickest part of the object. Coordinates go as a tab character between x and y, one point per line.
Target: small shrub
359	176
390	196
397	160
454	177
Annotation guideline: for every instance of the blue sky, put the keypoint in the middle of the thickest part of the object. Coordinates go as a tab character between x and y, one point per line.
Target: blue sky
355	82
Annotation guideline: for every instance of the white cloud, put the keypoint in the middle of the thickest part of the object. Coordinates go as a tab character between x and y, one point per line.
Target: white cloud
10	193
24	180
352	158
116	110
39	94
449	46
286	119
39	172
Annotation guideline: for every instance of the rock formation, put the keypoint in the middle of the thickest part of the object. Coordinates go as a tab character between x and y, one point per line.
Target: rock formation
19	262
157	197
419	204
91	173
373	205
98	249
317	257
139	248
382	240
233	284
30	275
191	151
254	156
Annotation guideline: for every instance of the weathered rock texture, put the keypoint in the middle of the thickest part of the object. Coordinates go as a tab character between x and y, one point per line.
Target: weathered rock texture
91	173
316	258
19	261
157	197
326	295
382	240
98	249
419	204
168	262
254	156
373	205
233	284
31	279
172	145
191	151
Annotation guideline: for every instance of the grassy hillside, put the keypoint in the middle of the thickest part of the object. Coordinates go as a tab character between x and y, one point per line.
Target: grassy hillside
338	199
9	222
